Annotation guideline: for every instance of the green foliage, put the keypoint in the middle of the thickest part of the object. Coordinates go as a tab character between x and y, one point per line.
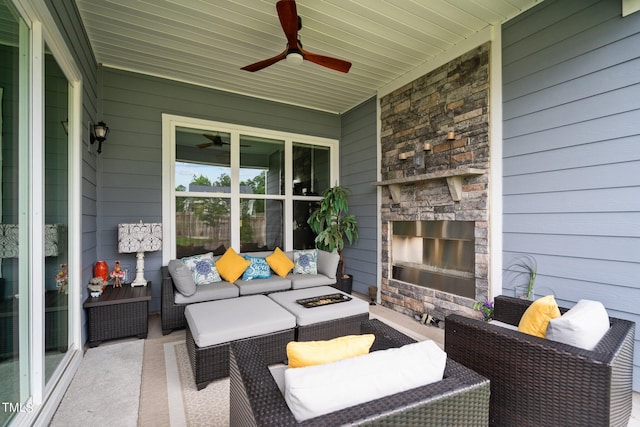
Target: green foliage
201	180
257	185
331	221
527	266
486	308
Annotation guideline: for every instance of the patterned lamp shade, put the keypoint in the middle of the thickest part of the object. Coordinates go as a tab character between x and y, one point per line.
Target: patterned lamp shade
139	237
54	239
9	240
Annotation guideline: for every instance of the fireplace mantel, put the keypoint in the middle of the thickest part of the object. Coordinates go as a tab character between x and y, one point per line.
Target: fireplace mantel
454	179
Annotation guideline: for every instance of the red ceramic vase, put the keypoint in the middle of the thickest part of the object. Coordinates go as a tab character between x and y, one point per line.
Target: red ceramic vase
101	269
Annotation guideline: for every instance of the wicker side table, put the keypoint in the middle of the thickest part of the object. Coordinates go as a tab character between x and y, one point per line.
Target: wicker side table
118	313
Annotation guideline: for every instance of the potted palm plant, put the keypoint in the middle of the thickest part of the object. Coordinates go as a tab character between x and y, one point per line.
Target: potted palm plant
333	226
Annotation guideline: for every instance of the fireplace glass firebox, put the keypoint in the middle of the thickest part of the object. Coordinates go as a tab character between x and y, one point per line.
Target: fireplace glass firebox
435	254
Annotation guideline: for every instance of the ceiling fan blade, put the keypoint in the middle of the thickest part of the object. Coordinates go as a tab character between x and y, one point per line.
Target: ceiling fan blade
288	15
265	63
327	61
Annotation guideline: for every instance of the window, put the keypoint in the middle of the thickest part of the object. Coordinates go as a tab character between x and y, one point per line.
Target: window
234	186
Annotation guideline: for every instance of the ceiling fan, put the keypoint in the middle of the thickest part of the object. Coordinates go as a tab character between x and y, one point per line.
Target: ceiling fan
294	53
216	141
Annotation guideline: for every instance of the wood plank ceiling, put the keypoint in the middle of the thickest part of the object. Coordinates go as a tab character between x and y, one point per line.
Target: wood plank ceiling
206	42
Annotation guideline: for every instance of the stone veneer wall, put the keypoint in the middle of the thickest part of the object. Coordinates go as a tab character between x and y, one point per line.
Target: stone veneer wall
454	97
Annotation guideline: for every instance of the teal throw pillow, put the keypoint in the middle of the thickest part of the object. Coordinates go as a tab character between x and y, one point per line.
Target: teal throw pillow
258	269
202	268
306	262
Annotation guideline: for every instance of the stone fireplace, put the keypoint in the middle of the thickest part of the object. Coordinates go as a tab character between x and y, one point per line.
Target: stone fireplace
434	179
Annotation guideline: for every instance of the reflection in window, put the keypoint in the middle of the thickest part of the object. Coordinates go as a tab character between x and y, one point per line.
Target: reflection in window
11	318
56	293
261	166
203	161
202	225
303	236
311	169
261	226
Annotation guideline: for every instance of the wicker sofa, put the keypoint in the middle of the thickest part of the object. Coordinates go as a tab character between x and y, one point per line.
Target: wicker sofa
460	399
173	303
536	381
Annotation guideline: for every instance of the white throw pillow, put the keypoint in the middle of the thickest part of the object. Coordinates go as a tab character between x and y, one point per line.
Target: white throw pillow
320	389
582	326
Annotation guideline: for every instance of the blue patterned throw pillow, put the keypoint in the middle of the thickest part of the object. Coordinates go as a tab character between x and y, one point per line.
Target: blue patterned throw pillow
202	268
306	262
258	269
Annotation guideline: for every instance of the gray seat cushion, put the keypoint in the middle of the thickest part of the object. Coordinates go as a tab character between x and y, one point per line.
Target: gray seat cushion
208	292
310	316
261	286
217	322
301	281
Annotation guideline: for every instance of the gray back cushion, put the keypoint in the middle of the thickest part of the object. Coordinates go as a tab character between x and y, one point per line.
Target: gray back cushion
182	277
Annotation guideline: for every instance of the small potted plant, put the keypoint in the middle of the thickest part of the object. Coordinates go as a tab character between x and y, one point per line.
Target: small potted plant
96	286
486	308
333	226
528	267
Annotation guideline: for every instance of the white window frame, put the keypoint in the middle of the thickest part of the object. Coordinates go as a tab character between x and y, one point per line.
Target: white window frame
169	125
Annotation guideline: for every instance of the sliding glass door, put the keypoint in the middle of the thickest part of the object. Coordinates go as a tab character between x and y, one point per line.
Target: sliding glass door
14	349
56	215
40	104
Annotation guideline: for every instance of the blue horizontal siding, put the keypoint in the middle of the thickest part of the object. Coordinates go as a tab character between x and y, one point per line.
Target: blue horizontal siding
571	153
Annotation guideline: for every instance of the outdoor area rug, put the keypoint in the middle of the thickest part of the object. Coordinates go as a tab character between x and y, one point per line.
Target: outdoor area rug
106	389
189	407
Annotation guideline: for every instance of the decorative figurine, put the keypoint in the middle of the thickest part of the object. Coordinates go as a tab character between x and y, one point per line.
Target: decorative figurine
117	275
62	279
96	285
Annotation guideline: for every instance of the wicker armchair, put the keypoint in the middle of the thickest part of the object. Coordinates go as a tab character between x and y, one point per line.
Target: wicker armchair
540	382
460	399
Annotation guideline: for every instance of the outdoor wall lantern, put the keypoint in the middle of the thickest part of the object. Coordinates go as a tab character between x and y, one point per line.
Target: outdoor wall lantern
98	132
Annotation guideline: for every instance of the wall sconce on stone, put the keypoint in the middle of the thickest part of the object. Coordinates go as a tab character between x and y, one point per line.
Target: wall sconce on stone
403	156
427	147
451	136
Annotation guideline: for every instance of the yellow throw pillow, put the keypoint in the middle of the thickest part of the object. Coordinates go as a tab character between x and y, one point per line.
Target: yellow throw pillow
230	266
535	320
308	353
280	263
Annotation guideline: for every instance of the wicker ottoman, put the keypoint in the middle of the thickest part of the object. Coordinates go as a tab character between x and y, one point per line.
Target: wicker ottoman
212	325
323	322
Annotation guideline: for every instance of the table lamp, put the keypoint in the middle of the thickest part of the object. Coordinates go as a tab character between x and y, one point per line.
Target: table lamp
140	238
